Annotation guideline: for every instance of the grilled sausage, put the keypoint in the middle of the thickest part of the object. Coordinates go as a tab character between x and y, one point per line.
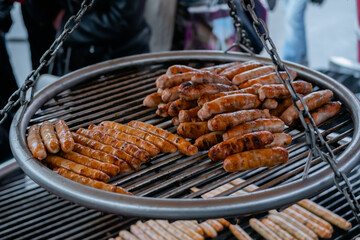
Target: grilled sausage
193	92
35	143
149	231
206	141
262	124
281	91
269	104
163	109
64	136
219	68
228	120
183	146
162	144
193	130
263	230
125	235
325	112
178	105
145	145
270	78
173	230
289	227
152	100
170	94
239	233
176	69
325	214
189	115
312	100
175	121
239	68
194	226
280	140
185	229
267	157
90	182
251	74
312	217
209	77
157	228
60	162
276	229
102	156
319	230
239	144
133	162
107	168
165	81
140	234
215	225
129	148
228	104
208	229
282	106
207	98
49	137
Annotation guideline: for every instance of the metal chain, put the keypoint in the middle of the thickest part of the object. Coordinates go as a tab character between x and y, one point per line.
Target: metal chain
314	138
20	95
242	40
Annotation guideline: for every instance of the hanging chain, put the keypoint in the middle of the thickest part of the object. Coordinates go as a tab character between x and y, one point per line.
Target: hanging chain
20	95
242	40
314	138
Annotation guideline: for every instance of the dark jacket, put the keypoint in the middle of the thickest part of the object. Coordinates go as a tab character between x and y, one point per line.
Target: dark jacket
110	29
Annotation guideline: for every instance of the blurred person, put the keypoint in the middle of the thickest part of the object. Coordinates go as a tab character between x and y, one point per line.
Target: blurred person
110	29
8	80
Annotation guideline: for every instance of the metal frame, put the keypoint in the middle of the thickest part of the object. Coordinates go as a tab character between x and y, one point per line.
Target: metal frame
178	208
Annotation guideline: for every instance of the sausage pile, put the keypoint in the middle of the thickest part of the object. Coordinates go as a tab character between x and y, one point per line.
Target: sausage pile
92	156
303	220
220	106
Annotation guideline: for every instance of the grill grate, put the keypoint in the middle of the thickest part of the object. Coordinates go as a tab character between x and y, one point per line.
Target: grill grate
117	95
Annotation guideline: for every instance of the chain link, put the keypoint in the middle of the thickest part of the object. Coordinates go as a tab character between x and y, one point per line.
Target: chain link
20	95
313	136
242	40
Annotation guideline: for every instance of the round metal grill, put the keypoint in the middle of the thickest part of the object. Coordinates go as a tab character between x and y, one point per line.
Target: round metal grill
114	90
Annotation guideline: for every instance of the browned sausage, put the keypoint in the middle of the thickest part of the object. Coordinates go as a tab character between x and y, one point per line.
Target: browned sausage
192	130
182	145
193	92
165	81
228	120
277	229
64	135
180	104
90	182
170	94
149	231
280	140
282	106
128	148
35	143
263	230
239	233
281	91
107	168
143	144
176	69
57	161
266	157
325	112
209	77
207	98
173	230
206	141
228	104
219	68
189	115
157	228
163	109
239	68
326	214
102	156
251	74
175	121
152	100
312	100
269	104
162	144
140	234
49	137
270	78
133	162
239	144
262	124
